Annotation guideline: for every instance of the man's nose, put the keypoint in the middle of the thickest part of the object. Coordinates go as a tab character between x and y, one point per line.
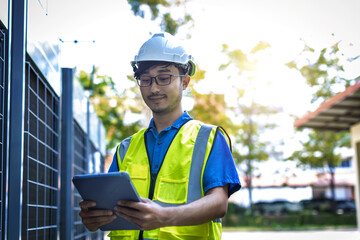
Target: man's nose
154	87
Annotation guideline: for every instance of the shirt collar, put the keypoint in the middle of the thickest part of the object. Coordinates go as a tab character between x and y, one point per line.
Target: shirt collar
177	124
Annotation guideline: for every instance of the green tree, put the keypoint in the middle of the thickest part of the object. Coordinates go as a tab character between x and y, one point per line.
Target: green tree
209	108
168	23
324	75
319	151
249	146
111	106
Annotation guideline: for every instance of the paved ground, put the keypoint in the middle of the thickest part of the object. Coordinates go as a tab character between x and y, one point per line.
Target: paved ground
294	235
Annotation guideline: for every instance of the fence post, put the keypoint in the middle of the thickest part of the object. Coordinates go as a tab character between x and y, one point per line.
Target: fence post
67	149
15	146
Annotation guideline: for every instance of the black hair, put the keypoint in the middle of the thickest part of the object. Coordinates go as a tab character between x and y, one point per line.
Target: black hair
141	67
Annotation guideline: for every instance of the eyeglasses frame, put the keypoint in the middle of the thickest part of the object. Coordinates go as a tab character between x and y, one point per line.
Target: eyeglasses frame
156	80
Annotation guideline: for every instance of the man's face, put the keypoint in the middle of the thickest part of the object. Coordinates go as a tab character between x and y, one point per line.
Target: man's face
164	99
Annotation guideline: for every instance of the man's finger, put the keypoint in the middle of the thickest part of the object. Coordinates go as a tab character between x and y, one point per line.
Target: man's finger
99	220
131	218
133	204
87	204
93	224
133	213
145	199
96	213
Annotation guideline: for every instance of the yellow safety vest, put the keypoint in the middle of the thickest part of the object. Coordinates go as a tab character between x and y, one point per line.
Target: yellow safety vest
178	182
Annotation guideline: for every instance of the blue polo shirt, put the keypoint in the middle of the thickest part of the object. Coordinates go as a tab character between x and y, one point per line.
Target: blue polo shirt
219	170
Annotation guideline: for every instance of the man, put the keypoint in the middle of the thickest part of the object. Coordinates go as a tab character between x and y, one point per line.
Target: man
182	169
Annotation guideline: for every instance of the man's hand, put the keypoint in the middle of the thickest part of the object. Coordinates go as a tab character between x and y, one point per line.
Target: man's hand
93	219
147	215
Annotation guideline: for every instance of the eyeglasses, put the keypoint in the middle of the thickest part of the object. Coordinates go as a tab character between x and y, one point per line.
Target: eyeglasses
161	80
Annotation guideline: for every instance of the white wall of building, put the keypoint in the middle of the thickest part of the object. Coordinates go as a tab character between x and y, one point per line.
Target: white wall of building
355	140
341	193
272	193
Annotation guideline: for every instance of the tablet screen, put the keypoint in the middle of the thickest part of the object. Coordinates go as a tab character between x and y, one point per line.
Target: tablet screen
106	189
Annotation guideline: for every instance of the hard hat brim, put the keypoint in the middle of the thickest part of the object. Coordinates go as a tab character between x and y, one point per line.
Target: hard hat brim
190	73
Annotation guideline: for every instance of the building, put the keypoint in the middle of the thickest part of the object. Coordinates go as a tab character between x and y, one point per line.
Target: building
48	133
341	112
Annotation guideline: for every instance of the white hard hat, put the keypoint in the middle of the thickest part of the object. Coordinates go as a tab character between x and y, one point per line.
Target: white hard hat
164	47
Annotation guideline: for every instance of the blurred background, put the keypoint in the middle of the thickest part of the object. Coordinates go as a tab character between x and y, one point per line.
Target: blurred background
282	77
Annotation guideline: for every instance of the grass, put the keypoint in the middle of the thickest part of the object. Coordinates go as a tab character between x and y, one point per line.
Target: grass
240	220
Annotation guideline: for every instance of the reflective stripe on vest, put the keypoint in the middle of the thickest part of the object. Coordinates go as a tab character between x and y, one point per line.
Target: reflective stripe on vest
123	147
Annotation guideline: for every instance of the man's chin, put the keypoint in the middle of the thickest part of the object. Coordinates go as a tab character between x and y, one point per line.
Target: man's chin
159	110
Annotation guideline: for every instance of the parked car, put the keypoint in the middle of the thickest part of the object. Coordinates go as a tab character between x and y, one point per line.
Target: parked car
282	207
317	205
325	205
345	206
278	207
259	207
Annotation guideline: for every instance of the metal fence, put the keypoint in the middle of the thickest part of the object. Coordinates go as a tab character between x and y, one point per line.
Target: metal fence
41	193
34	183
41	208
41	158
80	167
82	161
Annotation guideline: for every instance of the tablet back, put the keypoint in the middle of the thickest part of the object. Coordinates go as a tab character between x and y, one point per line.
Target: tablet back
106	189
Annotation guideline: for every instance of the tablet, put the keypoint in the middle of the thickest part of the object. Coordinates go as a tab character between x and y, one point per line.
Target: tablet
106	189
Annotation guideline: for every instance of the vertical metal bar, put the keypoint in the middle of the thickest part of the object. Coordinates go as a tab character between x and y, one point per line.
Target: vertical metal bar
99	150
67	149
88	155
37	152
26	175
5	136
16	116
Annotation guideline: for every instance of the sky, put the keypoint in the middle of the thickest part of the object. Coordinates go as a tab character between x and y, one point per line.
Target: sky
110	36
241	24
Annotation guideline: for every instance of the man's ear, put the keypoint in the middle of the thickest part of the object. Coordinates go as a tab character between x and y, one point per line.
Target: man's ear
185	81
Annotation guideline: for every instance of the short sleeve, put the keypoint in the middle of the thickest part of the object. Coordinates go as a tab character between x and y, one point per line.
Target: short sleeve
220	168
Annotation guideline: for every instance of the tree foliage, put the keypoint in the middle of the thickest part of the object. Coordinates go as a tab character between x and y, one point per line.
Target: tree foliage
249	147
168	23
320	149
209	108
241	60
111	106
323	73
